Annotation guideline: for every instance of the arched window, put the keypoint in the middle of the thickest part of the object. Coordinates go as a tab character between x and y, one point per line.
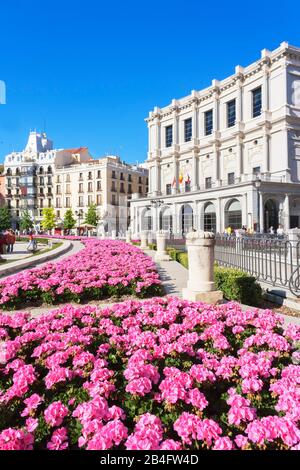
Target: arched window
166	219
147	220
210	218
49	169
17	171
41	170
8	171
233	214
186	216
271	214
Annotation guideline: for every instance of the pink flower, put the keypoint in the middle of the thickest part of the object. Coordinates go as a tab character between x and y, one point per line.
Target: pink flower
15	439
223	443
32	403
59	440
55	413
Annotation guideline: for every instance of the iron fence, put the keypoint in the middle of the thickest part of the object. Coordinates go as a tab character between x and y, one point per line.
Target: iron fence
273	261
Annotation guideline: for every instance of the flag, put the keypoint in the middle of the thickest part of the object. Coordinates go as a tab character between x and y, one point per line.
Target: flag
188	179
180	178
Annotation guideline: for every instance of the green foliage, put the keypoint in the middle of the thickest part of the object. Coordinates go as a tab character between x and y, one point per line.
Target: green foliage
152	246
48	220
69	220
5	220
26	222
91	216
237	285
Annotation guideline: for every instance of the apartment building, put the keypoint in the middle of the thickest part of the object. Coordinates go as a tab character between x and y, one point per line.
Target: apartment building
108	182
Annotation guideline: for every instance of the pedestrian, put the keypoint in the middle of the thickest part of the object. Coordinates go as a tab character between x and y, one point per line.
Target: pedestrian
12	240
271	230
8	241
280	231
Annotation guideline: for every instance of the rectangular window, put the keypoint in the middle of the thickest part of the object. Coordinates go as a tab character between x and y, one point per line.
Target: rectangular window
90	200
256	170
81	187
129	189
49	203
208	122
99	200
113	175
58	202
90	175
188	129
140	190
168	189
256	102
98	185
68	178
90	187
122	188
80	176
129	178
231	114
18	213
80	201
169	136
230	178
113	200
58	214
113	185
121	176
99	174
208	183
58	189
41	180
68	188
41	202
49	180
68	204
17	203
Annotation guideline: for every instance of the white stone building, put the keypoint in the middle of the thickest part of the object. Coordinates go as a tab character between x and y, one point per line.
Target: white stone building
228	154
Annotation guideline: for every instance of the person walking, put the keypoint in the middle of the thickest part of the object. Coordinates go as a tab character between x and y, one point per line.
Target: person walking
12	240
8	241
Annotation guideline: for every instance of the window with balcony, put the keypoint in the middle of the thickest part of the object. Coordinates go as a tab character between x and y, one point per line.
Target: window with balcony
168	189
256	102
208	182
169	136
231	113
230	178
208	122
188	129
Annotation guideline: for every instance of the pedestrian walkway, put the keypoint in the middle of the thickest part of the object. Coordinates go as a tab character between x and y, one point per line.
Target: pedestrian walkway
66	249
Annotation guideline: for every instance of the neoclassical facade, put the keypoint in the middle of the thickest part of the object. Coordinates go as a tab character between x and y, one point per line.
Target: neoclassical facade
228	154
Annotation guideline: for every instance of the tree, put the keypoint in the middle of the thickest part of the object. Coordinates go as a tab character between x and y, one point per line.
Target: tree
5	221
26	223
48	220
69	221
91	216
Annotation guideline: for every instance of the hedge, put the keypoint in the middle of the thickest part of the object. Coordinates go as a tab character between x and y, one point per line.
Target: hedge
235	284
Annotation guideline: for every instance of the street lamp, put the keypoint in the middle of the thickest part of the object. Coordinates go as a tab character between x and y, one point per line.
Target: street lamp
156	203
257	184
79	215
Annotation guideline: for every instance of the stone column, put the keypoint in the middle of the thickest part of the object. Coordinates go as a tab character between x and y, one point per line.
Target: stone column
175	174
201	286
113	234
161	245
144	240
286	212
128	236
195	184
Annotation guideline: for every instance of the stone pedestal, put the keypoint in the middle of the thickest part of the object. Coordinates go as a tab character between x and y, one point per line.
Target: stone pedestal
144	240
201	286
151	238
128	236
113	234
161	247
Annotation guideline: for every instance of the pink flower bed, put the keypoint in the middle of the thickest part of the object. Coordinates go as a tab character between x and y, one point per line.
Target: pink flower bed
155	374
102	268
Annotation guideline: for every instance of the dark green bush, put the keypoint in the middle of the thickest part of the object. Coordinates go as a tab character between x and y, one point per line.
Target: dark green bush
152	246
237	285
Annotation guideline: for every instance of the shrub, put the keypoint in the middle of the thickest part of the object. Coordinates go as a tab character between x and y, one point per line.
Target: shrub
237	285
152	246
162	374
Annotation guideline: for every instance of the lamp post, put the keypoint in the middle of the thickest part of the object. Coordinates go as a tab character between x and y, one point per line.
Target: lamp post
156	203
257	184
79	215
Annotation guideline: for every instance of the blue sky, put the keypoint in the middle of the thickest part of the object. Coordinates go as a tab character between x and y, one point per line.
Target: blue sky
92	70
